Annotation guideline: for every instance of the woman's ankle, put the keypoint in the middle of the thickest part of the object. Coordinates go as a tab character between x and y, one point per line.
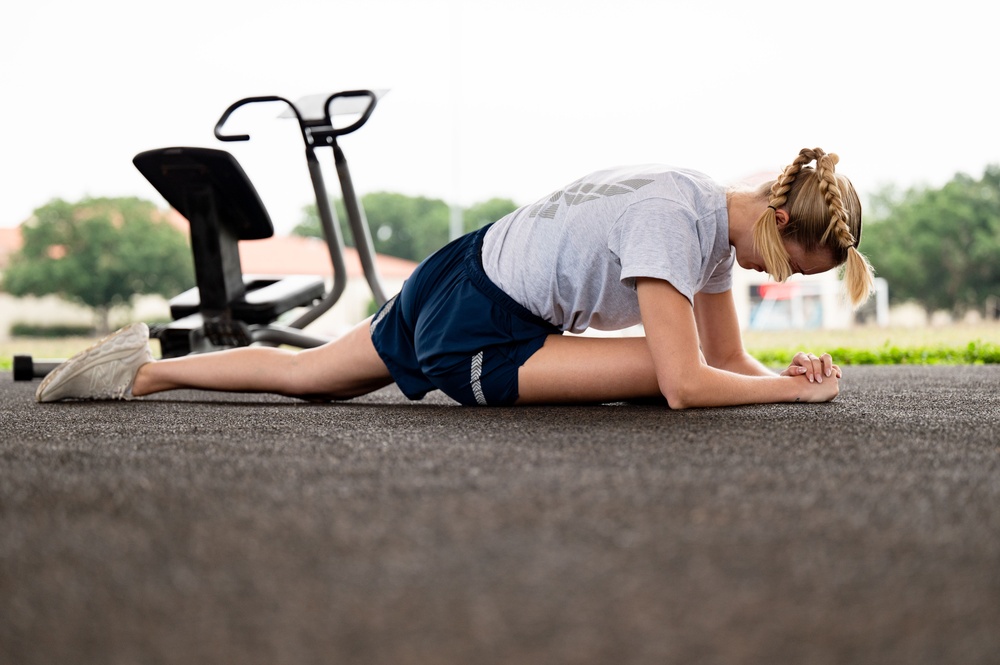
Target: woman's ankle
141	384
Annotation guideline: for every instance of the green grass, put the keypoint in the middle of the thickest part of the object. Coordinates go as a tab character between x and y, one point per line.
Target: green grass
938	345
973	353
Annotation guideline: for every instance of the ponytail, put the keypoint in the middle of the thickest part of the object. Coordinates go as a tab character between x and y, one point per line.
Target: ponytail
767	242
859	277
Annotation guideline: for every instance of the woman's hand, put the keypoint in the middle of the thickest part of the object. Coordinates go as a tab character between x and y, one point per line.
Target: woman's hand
814	368
817	391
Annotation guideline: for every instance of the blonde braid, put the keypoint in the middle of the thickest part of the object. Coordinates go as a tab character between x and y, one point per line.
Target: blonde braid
859	277
830	188
779	189
766	237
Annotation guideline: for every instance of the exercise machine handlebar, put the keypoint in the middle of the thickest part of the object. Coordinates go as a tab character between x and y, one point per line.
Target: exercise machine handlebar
312	129
253	100
365	114
317	132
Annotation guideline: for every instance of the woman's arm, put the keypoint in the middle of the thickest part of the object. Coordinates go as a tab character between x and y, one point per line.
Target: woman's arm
719	335
722	343
673	338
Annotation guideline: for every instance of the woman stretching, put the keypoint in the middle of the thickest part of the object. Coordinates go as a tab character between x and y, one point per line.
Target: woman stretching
482	319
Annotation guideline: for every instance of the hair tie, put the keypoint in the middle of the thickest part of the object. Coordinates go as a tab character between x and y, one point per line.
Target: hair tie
773	208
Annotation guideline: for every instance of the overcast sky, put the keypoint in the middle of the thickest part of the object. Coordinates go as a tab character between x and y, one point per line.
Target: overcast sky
512	98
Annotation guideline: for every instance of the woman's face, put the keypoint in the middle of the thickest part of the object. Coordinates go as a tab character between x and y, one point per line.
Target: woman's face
803	262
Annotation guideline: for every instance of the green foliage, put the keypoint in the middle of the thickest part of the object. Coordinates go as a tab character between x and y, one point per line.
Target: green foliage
479	215
311	227
55	330
939	247
410	227
974	353
99	252
406	226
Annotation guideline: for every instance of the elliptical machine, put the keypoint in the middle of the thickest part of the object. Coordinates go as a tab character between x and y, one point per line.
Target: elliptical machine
211	190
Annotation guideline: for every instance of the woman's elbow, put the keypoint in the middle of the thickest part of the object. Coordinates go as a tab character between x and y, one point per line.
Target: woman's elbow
679	394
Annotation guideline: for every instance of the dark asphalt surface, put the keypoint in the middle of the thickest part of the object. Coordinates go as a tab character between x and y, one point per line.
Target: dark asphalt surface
249	529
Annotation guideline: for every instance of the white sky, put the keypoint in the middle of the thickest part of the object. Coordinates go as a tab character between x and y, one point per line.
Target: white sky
509	98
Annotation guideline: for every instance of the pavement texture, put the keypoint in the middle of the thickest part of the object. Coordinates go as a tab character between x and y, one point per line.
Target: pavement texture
208	528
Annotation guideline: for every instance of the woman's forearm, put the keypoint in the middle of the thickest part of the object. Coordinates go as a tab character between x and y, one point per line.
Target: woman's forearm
746	365
716	387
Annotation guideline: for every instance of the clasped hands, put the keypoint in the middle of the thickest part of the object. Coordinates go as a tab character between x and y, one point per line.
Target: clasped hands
815	368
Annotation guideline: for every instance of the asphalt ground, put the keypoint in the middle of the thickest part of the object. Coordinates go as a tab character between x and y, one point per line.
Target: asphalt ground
208	528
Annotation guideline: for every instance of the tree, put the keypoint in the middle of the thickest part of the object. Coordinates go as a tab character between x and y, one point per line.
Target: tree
100	253
405	226
939	247
479	215
410	227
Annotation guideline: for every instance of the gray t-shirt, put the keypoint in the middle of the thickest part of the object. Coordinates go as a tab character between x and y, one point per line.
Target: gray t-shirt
572	258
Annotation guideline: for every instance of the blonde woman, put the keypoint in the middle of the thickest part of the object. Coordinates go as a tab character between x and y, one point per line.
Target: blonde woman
482	319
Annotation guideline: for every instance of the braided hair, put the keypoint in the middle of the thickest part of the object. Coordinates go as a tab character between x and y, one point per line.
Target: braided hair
824	212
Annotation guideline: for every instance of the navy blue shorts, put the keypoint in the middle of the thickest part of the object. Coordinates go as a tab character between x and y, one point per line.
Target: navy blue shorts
450	328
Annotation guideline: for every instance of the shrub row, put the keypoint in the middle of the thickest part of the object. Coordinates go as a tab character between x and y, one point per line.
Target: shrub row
974	353
57	330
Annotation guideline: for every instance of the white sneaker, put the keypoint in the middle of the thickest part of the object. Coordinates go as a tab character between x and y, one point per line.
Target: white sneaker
104	371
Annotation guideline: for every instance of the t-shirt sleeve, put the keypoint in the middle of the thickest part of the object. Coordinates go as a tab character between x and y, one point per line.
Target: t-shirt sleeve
658	238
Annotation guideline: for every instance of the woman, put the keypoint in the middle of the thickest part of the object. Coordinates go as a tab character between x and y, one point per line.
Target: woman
482	318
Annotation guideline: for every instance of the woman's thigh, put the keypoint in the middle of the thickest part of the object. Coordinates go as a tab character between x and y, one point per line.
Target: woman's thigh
588	369
344	368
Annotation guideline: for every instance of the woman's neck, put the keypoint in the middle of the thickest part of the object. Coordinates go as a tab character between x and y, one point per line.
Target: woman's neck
744	208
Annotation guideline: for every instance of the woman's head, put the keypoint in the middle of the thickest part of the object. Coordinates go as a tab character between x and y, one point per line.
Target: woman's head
823	215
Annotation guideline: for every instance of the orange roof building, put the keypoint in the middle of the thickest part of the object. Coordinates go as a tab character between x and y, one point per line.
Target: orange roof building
296	255
10	242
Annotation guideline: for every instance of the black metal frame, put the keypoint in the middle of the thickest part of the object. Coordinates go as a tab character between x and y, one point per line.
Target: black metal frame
318	133
217	323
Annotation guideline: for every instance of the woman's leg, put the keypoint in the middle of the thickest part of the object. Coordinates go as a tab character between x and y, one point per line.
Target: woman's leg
588	369
341	369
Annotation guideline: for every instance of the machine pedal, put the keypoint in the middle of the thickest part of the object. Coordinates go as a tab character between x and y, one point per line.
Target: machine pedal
228	332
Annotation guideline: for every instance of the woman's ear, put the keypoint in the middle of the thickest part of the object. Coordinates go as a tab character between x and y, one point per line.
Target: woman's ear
781	216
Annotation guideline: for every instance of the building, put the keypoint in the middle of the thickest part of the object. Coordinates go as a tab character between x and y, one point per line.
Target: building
10	242
802	302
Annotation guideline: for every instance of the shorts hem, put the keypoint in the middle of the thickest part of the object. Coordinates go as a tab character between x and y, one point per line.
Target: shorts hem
396	371
529	348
